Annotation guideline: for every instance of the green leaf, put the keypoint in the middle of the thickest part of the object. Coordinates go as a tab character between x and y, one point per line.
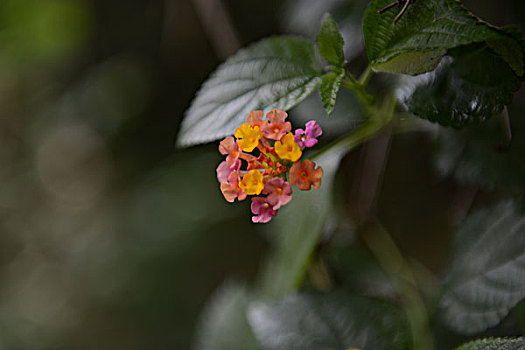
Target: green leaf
470	85
298	226
487	277
332	321
354	267
330	84
330	41
299	15
223	324
479	156
494	344
510	51
278	72
415	44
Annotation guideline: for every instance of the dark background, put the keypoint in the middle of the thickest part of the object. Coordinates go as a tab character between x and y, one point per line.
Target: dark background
110	237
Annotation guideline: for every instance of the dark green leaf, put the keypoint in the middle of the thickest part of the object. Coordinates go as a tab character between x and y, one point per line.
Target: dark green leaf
510	51
330	41
483	157
274	73
511	47
494	344
487	277
333	322
417	42
330	84
224	325
470	85
355	267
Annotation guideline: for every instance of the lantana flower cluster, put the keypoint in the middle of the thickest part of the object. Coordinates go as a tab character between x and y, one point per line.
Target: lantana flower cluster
271	155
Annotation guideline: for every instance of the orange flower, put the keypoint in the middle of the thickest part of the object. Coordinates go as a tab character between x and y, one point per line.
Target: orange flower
230	189
248	136
229	147
255	118
277	127
287	148
304	175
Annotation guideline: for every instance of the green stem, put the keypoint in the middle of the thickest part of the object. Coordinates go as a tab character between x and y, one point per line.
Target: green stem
365	76
393	262
359	89
357	137
383	117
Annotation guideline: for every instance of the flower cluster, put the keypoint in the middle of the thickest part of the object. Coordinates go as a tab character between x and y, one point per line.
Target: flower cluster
271	154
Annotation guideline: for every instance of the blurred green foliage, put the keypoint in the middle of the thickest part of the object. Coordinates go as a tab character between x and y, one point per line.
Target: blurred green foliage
110	237
44	30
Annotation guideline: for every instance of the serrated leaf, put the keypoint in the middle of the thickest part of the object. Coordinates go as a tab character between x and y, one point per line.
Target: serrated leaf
427	29
278	72
487	276
298	226
333	322
482	156
224	324
511	47
330	84
470	85
354	267
330	41
510	51
412	63
494	344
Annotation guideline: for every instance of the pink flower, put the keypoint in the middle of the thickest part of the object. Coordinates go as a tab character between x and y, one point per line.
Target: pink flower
308	137
224	171
262	209
229	147
277	127
231	190
278	191
256	118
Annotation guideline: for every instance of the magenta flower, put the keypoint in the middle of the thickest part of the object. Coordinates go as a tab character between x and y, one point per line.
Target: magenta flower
278	191
262	209
224	171
308	137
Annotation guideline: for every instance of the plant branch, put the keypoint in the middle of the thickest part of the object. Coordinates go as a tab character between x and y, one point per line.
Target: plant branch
365	76
359	89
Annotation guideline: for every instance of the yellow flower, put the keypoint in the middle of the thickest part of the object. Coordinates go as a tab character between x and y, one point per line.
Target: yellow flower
248	136
287	148
252	183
